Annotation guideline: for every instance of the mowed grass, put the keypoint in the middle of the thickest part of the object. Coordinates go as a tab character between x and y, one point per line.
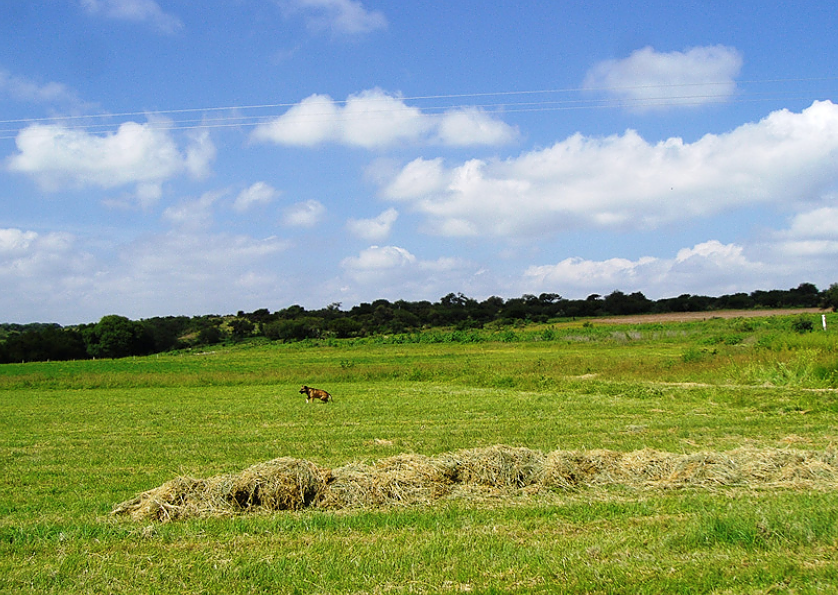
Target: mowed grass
78	438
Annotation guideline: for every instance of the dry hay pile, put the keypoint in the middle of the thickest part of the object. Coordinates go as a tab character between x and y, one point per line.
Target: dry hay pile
281	484
409	479
403	479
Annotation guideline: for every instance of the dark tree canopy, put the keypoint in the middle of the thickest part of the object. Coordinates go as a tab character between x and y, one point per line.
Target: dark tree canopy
118	336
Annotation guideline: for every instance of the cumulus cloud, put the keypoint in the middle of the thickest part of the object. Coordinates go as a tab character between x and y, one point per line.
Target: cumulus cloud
186	271
191	262
194	214
57	156
41	272
392	272
625	182
473	126
374	229
650	79
257	194
393	267
421	177
304	214
374	119
312	121
13	241
578	272
141	11
65	278
338	17
774	260
821	223
710	268
26	90
379	259
811	236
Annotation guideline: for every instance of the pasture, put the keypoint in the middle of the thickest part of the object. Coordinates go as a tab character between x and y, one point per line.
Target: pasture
79	438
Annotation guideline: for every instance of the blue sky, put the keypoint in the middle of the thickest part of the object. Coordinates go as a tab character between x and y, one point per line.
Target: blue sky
167	157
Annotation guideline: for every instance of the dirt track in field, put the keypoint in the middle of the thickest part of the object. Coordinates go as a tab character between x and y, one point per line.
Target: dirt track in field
693	316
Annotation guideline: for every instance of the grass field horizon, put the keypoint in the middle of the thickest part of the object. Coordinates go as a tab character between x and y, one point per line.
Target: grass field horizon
78	438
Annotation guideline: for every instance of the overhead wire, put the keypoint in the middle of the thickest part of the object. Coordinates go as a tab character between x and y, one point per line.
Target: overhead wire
168	119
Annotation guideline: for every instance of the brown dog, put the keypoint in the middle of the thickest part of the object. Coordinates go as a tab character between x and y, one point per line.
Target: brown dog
315	393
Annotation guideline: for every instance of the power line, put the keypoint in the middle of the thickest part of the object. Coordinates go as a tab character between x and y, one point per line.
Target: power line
76	122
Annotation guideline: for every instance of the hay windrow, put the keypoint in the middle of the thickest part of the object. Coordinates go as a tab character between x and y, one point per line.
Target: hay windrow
280	484
411	479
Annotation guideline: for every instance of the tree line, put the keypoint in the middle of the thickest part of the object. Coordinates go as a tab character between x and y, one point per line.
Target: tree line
117	336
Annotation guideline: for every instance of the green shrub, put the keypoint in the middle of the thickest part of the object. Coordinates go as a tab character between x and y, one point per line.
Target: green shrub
802	325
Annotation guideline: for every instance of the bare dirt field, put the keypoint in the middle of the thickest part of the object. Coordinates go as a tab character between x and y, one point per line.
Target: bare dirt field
692	316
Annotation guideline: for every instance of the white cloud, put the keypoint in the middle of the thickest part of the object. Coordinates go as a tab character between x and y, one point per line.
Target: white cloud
724	255
199	154
304	214
421	177
55	277
189	271
141	11
709	268
392	272
374	119
42	273
13	241
473	126
374	229
379	259
649	79
624	182
313	121
57	156
395	264
257	194
578	272
818	224
339	17
178	257
194	214
812	237
23	89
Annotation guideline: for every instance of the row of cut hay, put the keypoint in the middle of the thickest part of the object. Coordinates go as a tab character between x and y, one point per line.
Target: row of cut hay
410	479
647	468
280	484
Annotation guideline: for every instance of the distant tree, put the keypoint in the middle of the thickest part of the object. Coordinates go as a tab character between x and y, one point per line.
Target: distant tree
166	332
805	295
515	309
344	328
291	312
403	321
331	312
50	343
830	298
259	316
210	335
307	327
620	304
117	336
241	328
736	301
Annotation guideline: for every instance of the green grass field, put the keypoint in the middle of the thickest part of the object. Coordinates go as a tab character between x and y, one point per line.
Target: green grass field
78	438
